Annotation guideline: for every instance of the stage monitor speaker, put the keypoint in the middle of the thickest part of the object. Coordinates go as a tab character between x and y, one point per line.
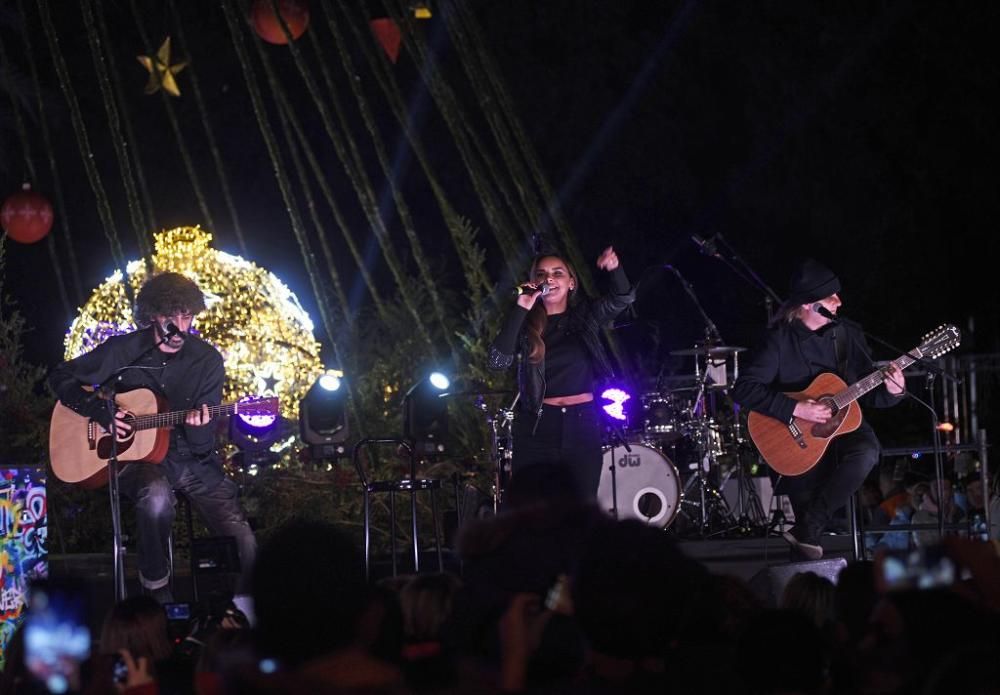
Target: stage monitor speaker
769	583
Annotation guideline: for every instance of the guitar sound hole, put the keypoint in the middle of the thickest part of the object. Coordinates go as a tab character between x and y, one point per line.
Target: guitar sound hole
831	404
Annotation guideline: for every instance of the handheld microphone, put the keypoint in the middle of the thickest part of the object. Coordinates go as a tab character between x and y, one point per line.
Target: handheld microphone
529	289
823	311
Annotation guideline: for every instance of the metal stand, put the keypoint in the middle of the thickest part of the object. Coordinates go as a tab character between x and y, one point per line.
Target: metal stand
710	500
106	389
411	485
503	451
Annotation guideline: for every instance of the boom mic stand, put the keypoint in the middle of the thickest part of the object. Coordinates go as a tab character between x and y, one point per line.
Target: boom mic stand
710	247
107	390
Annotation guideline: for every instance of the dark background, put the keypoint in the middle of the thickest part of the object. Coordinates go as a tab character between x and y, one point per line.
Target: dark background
858	133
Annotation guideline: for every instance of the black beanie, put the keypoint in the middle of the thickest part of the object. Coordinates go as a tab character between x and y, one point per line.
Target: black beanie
811	282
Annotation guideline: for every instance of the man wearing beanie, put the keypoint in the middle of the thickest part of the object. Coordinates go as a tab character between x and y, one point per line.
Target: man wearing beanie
800	345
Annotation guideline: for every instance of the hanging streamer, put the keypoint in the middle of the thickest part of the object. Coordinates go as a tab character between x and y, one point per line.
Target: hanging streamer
62	219
117	136
213	147
86	153
353	166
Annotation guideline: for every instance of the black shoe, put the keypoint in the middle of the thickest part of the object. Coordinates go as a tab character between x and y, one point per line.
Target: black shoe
162	595
807	548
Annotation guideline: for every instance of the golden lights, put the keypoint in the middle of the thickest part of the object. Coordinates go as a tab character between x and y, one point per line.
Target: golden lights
251	317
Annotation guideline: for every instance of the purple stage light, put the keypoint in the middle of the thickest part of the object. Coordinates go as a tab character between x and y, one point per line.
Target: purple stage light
616	408
256	424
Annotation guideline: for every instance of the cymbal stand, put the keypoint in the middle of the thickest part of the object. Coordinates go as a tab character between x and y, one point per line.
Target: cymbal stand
712	505
749	514
501	427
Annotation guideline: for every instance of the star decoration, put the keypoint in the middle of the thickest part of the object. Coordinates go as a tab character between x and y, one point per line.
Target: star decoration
161	72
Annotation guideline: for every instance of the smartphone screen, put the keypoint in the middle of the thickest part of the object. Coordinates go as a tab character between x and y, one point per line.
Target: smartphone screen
926	567
178	611
56	634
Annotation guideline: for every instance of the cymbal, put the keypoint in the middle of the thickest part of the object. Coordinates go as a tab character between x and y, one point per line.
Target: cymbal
709	350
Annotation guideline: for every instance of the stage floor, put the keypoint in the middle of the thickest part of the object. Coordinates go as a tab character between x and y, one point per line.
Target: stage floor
740	557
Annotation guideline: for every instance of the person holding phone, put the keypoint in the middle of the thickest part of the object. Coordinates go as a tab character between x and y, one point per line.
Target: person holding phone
188	373
555	337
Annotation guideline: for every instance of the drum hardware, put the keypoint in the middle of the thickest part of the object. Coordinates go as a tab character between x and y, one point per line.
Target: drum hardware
501	427
616	439
703	429
749	513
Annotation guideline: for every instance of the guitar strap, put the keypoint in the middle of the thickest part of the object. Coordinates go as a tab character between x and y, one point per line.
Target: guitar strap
840	350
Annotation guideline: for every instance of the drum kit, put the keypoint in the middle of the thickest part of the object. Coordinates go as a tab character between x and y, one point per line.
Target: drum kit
680	448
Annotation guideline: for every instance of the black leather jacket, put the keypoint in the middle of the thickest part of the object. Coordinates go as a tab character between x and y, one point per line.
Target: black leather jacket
585	318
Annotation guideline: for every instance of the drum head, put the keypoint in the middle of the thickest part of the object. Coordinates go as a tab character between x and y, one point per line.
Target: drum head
645	485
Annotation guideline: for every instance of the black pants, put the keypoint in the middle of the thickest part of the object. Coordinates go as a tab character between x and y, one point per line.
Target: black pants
147	485
567	436
818	493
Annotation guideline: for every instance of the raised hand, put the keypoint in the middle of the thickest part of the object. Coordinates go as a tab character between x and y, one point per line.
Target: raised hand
608	260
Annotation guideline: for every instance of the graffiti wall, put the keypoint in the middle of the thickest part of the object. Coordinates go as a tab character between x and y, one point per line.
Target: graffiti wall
23	533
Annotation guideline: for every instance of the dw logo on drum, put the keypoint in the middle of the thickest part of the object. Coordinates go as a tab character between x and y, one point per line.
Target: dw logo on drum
629	461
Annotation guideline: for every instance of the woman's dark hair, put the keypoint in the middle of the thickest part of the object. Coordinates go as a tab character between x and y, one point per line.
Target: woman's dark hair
138	624
537	318
166	294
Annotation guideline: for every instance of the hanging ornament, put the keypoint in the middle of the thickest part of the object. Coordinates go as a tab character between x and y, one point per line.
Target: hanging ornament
266	24
26	216
161	72
388	34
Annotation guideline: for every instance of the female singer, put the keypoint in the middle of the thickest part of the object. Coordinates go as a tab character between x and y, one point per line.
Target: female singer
560	357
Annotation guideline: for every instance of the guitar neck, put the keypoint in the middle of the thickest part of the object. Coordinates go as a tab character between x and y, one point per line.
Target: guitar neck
176	417
860	388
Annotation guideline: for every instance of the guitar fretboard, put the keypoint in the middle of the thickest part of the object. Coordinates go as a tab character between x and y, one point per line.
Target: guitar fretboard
860	388
176	417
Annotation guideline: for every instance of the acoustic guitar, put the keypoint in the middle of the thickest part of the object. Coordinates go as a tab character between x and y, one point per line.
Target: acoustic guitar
79	447
794	448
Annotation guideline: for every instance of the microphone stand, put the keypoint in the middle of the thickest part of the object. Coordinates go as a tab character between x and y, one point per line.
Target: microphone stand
107	390
932	371
740	267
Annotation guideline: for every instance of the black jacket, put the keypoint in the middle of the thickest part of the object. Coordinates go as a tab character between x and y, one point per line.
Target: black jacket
792	355
585	318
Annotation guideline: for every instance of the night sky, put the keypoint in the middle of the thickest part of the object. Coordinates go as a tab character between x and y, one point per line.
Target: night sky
858	133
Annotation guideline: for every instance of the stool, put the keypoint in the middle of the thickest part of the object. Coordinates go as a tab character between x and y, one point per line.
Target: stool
184	501
413	485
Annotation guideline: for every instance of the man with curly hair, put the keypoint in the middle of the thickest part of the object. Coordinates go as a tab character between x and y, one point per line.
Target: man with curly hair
188	373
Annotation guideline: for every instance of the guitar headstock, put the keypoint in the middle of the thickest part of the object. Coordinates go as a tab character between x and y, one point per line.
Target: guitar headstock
940	340
258	406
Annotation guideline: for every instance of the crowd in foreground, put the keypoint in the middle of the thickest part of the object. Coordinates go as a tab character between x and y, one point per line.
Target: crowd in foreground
553	597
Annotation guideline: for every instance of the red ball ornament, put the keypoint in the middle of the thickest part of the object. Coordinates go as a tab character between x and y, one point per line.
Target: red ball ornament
266	24
26	216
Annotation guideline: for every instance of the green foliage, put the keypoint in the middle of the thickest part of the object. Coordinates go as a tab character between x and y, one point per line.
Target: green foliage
23	410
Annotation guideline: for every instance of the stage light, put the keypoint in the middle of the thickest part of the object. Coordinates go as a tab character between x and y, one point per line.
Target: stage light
329	382
421	10
945	427
439	381
323	416
255	435
425	413
616	408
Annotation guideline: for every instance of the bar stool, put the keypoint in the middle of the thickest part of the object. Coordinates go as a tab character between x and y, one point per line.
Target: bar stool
413	485
184	501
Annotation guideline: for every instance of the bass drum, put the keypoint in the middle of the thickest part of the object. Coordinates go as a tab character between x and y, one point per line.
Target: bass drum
647	485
